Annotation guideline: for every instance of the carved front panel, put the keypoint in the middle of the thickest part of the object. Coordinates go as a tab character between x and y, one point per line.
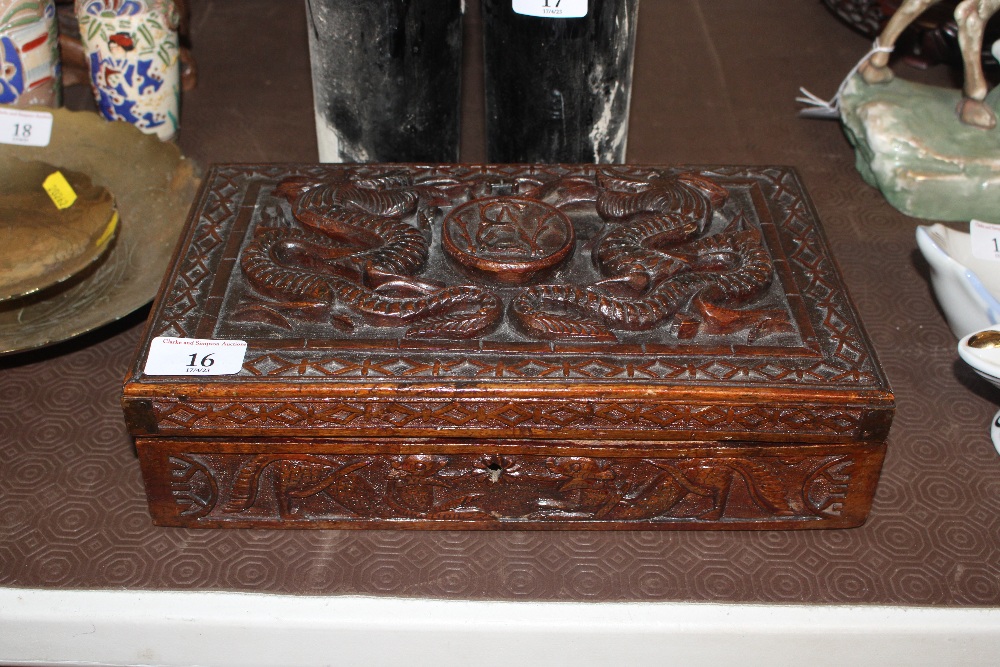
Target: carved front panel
495	487
351	283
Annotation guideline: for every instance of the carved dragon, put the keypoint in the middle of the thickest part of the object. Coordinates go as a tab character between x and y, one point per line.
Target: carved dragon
357	254
425	486
298	477
591	489
656	267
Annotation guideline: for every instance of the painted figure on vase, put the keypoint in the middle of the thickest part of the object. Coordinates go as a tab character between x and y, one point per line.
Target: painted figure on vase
133	58
120	79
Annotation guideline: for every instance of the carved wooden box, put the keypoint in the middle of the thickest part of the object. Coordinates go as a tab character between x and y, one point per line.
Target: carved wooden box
510	347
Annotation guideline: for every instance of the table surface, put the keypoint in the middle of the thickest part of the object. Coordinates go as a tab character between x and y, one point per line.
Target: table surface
715	83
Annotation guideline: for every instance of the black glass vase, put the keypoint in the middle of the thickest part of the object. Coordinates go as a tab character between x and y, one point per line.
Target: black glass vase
558	85
386	79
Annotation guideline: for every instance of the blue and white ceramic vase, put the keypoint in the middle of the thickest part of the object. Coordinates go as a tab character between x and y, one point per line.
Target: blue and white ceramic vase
134	61
29	53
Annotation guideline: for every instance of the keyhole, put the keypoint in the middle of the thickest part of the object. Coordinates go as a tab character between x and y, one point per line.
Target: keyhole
494	471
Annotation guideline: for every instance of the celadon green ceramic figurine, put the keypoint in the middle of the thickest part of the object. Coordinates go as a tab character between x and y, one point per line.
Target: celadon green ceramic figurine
933	152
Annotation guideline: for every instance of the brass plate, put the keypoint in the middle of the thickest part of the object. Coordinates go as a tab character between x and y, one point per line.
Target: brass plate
42	243
153	185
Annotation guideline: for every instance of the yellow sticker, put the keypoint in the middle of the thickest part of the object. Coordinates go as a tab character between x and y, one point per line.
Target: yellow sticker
109	231
60	191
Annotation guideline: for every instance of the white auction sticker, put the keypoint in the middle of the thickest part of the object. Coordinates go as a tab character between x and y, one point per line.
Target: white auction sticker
551	9
195	356
985	238
25	128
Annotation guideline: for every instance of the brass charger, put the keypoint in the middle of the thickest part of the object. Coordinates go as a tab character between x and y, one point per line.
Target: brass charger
153	185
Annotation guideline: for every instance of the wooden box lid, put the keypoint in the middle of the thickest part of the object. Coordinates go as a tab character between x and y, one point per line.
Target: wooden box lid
585	302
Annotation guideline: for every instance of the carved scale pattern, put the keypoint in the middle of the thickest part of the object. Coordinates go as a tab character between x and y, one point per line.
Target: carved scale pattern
510	489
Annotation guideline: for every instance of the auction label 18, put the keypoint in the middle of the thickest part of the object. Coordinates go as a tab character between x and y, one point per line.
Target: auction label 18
25	128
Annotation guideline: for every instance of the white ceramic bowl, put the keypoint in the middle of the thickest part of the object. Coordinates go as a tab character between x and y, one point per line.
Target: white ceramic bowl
967	288
986	362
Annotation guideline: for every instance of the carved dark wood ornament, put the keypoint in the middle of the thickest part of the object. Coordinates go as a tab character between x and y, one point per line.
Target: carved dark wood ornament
357	245
620	305
739	488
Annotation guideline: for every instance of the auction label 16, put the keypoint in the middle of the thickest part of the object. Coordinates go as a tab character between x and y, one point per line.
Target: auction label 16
195	356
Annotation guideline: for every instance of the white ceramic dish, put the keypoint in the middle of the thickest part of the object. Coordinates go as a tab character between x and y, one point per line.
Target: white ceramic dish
986	362
967	288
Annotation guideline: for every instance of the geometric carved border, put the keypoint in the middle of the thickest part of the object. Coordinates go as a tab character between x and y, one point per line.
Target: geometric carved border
584	418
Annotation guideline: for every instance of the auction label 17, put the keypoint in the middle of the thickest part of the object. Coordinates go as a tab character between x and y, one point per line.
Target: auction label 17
552	9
